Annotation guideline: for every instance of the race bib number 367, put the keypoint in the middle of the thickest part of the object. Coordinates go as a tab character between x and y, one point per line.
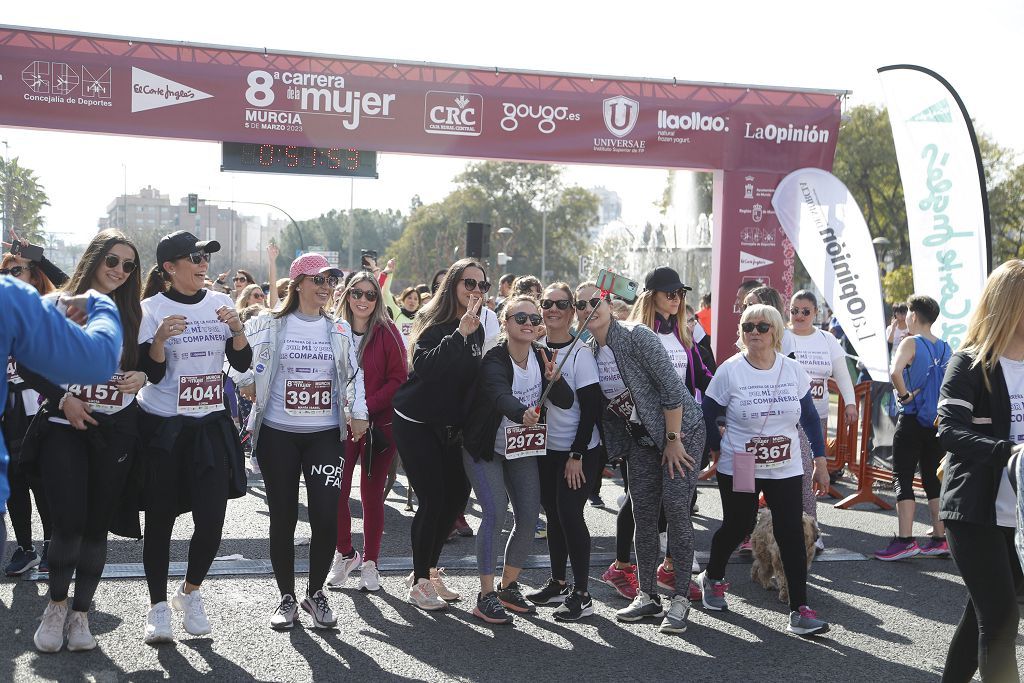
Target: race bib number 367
525	442
770	451
200	393
307	397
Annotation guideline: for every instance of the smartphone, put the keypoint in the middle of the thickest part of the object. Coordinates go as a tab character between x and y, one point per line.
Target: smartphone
29	251
619	285
369	258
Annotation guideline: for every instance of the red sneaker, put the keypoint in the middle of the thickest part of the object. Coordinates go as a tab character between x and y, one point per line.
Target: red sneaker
624	581
666	578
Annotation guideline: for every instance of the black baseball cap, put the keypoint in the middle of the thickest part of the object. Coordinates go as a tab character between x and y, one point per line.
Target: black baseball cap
663	279
181	243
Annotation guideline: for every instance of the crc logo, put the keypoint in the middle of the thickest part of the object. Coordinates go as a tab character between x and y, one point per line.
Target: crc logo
620	115
545	115
453	113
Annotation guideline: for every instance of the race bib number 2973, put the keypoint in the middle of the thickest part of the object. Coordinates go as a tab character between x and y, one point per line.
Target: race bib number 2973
525	442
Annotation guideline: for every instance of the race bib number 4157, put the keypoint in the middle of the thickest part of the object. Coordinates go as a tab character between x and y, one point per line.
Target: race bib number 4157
200	393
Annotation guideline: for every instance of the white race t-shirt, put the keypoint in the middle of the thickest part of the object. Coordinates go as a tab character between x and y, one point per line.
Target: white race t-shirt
1006	500
676	353
762	409
897	335
526	388
818	353
608	373
580	371
304	389
788	342
489	321
193	384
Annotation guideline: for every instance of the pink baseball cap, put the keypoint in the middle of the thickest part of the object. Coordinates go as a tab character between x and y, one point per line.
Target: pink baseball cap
312	264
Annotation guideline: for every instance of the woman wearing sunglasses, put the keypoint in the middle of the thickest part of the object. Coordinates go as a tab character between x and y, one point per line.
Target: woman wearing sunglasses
85	446
653	423
504	434
445	347
381	357
190	443
762	396
252	294
661	307
572	466
308	386
24	404
822	357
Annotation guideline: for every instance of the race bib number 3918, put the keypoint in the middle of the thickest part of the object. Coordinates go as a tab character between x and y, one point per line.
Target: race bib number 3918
200	393
525	442
307	397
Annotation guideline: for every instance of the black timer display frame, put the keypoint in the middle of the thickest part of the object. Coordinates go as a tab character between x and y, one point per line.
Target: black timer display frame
342	162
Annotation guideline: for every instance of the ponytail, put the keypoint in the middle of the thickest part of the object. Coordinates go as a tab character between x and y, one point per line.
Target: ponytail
156	283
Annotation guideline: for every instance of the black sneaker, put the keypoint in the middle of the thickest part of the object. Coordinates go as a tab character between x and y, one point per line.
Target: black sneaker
490	609
21	561
44	562
575	606
596	501
553	593
512	598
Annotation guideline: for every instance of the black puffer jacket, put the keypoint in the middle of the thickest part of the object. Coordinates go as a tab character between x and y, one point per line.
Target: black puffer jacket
974	427
495	400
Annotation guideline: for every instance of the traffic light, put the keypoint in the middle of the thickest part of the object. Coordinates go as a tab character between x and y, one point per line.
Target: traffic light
193	203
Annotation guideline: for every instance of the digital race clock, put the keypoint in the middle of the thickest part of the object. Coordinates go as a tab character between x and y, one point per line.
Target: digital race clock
293	159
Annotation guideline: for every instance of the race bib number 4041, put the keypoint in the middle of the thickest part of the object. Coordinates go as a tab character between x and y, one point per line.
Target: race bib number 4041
307	397
525	442
770	451
200	393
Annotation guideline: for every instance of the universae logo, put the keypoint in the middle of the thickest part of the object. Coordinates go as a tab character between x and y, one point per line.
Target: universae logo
620	115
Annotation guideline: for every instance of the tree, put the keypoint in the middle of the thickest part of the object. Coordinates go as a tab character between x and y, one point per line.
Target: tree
898	284
1006	210
23	201
374	230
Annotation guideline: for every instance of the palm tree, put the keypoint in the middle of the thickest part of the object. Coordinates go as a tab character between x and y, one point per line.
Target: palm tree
23	200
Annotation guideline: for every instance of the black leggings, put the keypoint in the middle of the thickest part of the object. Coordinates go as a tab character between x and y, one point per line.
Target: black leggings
84	483
283	456
24	486
739	512
171	475
986	636
914	444
568	536
433	462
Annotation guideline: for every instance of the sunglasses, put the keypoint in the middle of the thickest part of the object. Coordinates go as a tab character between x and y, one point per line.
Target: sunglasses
16	270
678	294
472	284
561	304
321	280
258	296
763	328
521	318
358	294
197	257
593	303
111	261
799	311
240	278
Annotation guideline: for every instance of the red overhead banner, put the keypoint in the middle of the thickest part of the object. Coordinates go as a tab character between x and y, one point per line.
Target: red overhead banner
164	89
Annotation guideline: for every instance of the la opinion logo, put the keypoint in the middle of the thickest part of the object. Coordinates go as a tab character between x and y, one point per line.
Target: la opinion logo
620	115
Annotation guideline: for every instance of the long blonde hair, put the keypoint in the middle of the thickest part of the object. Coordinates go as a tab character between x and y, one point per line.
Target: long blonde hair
379	317
643	312
997	315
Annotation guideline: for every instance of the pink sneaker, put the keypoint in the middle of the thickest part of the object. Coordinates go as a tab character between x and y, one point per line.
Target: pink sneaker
745	547
935	547
666	578
899	550
695	593
624	581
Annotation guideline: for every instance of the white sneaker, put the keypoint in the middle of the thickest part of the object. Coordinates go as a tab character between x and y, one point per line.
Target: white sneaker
158	624
318	608
424	596
79	637
49	636
341	568
194	619
696	567
443	591
285	614
369	577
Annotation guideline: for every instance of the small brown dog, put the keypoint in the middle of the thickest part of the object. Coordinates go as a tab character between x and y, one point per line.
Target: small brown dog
767	563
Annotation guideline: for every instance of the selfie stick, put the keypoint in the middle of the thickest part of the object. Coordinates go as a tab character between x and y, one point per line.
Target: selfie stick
543	397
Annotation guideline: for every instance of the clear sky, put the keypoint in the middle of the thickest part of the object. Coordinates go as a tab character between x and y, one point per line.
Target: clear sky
975	46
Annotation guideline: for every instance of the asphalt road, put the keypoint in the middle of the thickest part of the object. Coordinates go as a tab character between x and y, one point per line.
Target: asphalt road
891	621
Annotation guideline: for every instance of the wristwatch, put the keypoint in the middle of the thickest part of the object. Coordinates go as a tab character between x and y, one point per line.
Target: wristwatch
671	436
573	455
905	397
